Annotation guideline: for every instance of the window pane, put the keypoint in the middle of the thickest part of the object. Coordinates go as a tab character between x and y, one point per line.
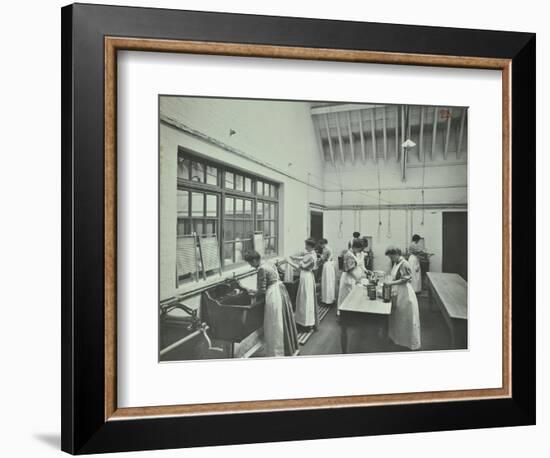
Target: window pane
239	251
197	204
259	210
239	183
243	229
211	205
259	187
184	165
241	248
183	203
239	210
211	175
273	211
229	230
228	253
211	227
184	227
248	185
249	228
198	226
272	228
273	191
248	208
239	230
270	246
229	180
229	206
260	226
267	211
197	172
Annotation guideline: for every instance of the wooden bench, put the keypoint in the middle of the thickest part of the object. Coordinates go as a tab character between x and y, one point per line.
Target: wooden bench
450	293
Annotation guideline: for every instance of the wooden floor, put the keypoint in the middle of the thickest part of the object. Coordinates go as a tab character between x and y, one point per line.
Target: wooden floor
326	341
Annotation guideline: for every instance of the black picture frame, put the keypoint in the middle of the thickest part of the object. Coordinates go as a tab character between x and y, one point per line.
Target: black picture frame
84	428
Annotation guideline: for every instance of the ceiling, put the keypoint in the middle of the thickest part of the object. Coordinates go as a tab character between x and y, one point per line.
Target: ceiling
355	133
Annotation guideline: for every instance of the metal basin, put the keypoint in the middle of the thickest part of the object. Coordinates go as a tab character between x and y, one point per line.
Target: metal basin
230	312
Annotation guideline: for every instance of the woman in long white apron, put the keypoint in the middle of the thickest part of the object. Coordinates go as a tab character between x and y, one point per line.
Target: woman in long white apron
352	274
415	249
328	277
280	335
306	299
404	326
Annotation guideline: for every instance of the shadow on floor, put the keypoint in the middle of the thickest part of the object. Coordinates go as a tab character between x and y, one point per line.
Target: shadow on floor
52	440
326	341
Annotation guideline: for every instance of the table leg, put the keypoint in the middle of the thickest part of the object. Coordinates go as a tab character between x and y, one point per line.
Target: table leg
460	334
343	334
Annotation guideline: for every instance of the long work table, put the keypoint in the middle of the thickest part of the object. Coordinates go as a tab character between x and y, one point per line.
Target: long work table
358	309
450	293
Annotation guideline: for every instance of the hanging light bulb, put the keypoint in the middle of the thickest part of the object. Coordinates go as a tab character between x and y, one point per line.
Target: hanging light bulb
408	143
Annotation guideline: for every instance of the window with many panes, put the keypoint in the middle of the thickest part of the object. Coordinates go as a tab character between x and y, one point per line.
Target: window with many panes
213	199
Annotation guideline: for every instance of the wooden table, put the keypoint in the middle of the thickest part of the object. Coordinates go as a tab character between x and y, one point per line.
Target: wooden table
450	293
358	309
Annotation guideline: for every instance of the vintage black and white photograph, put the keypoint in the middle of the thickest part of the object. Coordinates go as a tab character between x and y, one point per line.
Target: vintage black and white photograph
292	228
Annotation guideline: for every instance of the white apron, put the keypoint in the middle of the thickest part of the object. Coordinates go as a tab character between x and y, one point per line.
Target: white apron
347	282
273	322
306	308
416	280
404	327
328	282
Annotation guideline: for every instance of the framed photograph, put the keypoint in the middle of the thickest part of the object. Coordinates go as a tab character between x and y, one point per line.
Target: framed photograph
270	222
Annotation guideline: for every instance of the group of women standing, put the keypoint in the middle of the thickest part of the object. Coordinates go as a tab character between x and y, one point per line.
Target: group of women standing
280	331
280	322
404	322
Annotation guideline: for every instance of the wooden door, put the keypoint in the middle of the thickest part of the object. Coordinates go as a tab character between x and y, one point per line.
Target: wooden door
455	243
316	225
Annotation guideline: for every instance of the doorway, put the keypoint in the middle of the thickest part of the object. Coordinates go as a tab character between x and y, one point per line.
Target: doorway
455	243
316	225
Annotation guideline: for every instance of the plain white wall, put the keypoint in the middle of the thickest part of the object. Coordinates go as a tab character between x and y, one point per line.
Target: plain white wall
30	230
366	222
444	184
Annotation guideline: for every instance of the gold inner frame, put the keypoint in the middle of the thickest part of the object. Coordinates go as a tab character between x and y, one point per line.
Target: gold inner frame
114	44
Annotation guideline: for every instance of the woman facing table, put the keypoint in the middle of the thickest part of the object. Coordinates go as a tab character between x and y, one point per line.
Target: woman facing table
353	271
281	338
404	325
306	300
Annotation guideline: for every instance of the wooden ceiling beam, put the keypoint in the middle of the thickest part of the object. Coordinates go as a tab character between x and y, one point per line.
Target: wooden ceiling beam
461	133
373	134
329	140
421	138
397	132
447	133
351	146
402	149
317	126
330	109
434	134
340	142
362	136
385	134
